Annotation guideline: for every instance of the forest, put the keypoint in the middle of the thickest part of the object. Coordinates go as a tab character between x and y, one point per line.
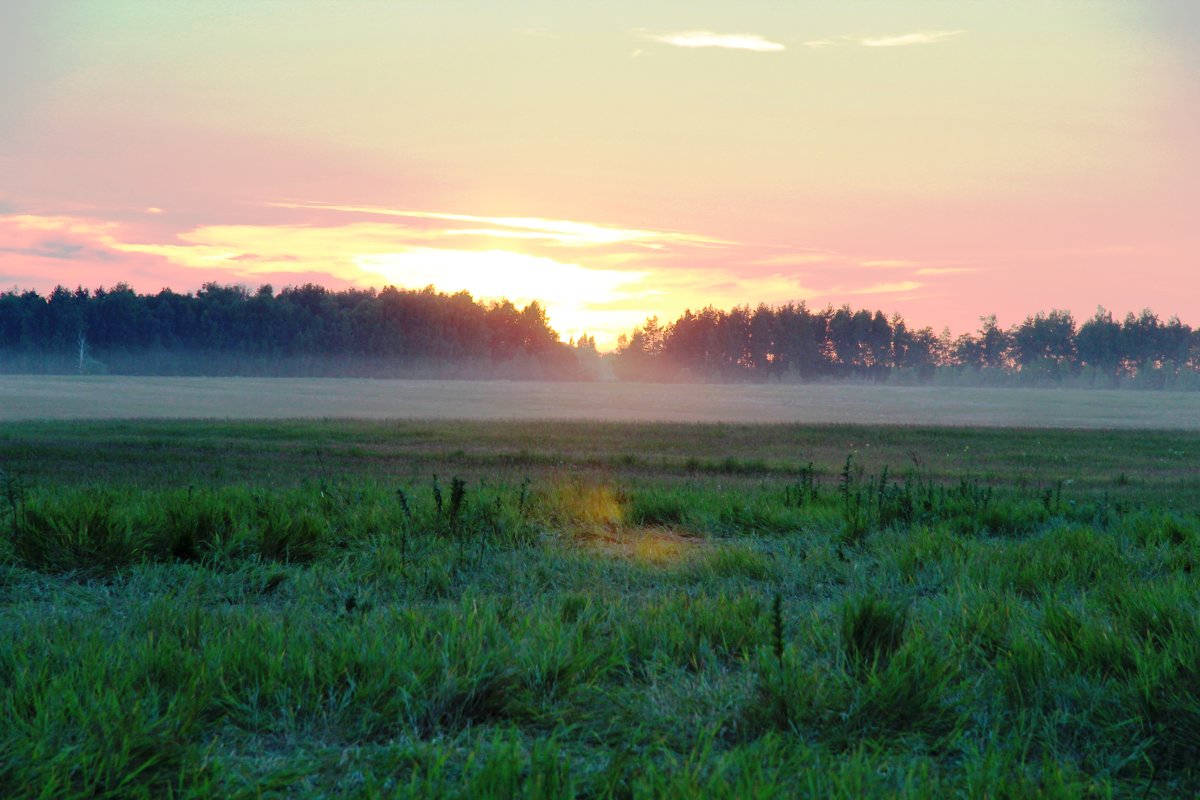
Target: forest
309	330
305	330
792	342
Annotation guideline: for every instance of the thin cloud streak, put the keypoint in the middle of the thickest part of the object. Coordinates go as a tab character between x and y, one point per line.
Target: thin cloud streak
564	232
816	257
603	289
882	288
908	39
888	263
899	40
947	270
728	41
800	259
579	296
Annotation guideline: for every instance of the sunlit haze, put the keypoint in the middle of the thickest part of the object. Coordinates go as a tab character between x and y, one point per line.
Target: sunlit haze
943	160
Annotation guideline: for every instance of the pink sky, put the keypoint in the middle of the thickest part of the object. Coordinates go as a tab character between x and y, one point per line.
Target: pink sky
940	160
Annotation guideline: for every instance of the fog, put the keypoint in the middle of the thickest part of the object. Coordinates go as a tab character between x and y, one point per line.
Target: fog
73	397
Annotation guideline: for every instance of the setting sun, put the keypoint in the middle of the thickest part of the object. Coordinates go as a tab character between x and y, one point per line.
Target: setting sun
614	161
576	299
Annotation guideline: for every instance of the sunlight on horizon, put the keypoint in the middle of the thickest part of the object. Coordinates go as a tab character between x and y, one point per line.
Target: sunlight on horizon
572	296
667	156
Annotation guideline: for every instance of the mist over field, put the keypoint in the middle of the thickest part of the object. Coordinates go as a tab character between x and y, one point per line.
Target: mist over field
58	397
312	332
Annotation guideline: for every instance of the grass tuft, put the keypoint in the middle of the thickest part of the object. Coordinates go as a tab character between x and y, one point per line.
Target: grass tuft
79	532
872	631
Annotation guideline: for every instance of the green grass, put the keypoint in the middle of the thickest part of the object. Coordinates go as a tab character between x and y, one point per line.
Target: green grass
575	609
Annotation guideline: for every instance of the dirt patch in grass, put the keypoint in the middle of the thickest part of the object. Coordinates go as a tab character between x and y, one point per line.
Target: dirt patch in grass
649	544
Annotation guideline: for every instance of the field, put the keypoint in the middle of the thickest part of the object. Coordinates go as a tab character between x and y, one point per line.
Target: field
67	397
355	608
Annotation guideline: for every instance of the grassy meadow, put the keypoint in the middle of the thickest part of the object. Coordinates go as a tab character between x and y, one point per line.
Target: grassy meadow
596	609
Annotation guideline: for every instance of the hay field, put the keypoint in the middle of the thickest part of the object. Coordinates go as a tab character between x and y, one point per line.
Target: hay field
66	397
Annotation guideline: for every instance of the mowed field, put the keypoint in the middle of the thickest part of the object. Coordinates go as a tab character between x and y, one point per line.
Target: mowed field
532	608
65	397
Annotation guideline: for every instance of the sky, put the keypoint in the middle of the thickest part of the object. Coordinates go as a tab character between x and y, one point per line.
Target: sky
939	159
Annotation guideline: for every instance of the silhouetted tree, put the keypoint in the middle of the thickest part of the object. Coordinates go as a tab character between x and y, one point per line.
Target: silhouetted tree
309	329
1098	344
304	329
1047	339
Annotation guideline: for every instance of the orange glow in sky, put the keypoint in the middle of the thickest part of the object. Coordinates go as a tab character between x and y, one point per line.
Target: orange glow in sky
617	160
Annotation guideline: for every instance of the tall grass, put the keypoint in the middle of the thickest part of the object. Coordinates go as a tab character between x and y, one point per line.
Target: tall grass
100	531
813	630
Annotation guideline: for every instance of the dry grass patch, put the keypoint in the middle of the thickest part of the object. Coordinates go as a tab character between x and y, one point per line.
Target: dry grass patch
651	545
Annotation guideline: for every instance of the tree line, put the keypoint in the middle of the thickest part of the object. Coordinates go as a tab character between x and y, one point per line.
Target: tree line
310	330
303	330
794	343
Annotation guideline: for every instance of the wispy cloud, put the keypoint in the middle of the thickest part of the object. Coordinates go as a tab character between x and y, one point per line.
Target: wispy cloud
811	256
831	258
946	270
898	40
888	263
60	251
729	41
65	224
884	288
908	39
891	287
597	283
557	231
